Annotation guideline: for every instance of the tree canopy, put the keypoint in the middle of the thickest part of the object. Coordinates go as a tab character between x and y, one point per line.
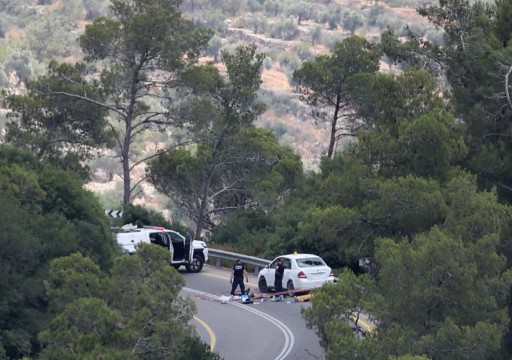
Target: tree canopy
232	163
59	128
129	73
44	214
136	312
324	80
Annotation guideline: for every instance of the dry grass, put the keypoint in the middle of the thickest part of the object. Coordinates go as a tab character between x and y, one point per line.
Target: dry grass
15	32
275	79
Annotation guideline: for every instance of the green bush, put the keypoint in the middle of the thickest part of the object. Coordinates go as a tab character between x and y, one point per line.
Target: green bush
267	63
290	61
332	16
330	39
374	13
303	51
435	36
279	129
285	30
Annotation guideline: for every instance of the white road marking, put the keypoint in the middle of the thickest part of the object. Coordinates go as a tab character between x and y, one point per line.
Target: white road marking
288	334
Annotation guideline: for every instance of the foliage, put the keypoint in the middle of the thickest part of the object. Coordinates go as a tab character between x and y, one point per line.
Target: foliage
316	34
475	60
214	46
374	12
335	311
352	20
323	80
74	10
142	37
136	312
415	53
433	296
238	179
20	64
404	206
273	7
44	214
140	216
332	15
286	29
303	10
233	164
50	37
404	113
263	234
457	285
59	128
421	192
95	8
257	24
335	232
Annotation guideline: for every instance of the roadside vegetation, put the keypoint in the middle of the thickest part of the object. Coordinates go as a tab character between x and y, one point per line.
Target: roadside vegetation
410	202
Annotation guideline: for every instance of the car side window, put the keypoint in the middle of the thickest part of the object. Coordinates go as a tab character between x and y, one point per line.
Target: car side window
287	263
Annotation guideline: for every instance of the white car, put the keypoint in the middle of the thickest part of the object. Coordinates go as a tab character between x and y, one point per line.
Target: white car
302	271
192	254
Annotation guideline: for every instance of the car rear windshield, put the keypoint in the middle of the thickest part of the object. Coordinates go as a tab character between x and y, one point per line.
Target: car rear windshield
310	262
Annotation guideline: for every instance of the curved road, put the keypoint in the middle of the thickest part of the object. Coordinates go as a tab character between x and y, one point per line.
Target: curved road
262	331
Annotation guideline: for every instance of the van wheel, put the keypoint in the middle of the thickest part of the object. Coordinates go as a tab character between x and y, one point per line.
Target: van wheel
196	265
262	285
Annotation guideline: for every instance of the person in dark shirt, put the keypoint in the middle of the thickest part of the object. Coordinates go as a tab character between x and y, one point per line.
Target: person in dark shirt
237	277
278	280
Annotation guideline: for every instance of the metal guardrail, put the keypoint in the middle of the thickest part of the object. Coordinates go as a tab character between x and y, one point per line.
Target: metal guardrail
227	255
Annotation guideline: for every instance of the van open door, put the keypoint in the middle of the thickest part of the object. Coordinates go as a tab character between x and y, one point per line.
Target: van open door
180	249
189	248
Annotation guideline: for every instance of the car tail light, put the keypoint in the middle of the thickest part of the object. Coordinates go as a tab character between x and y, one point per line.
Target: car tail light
301	275
331	273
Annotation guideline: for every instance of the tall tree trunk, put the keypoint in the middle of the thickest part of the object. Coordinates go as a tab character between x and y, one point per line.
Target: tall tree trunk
129	128
204	202
125	158
334	124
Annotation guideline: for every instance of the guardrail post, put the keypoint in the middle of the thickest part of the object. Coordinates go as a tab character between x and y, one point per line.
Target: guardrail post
217	262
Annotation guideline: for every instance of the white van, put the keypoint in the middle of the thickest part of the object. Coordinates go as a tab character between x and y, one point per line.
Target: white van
183	252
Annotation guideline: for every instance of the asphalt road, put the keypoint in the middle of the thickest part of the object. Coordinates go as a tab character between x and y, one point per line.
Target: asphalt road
259	331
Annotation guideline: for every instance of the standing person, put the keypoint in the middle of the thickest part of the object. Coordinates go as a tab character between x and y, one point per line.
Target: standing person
237	277
278	280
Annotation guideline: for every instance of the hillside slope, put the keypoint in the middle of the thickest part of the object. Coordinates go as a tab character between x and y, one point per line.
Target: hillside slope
281	34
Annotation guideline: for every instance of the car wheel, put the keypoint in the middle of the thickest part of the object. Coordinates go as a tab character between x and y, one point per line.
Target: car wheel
290	288
196	265
262	285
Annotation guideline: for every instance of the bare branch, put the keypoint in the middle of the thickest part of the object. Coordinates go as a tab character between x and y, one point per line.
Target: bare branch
505	186
89	100
159	153
229	187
